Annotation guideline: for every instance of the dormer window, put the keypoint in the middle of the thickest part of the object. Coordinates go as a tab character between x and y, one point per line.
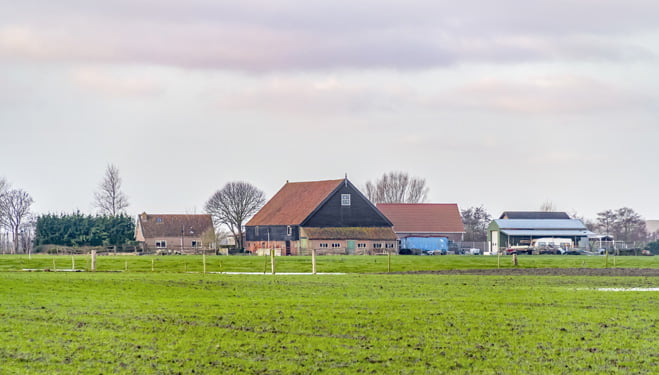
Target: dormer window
289	231
345	199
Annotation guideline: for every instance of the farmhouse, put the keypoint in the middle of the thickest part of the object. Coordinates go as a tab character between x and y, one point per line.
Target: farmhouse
526	226
173	233
425	226
332	217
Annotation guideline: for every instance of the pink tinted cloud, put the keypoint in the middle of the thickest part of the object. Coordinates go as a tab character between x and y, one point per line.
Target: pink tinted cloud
100	82
550	94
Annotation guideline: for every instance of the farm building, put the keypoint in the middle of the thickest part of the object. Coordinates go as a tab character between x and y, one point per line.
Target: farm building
332	216
425	226
173	233
534	215
504	233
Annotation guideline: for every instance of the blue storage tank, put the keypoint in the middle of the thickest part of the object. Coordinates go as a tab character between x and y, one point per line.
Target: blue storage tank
425	243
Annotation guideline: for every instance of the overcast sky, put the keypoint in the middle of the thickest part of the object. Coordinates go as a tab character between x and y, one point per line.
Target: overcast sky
507	103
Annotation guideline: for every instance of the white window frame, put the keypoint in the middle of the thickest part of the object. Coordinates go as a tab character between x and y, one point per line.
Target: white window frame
161	244
345	199
289	230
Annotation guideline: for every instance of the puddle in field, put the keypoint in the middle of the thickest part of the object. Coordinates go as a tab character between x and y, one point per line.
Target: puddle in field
628	289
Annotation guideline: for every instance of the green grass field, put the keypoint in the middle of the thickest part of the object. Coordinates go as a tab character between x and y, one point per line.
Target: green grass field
343	264
170	322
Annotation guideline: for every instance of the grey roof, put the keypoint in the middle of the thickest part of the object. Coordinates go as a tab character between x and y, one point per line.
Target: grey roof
556	224
533	215
546	233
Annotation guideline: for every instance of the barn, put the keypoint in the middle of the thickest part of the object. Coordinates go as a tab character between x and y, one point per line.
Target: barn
425	226
332	217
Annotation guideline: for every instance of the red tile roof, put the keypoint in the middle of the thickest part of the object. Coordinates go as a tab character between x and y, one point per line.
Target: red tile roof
157	225
423	217
294	202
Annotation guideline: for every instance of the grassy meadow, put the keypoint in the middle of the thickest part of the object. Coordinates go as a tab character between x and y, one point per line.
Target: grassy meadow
326	264
169	322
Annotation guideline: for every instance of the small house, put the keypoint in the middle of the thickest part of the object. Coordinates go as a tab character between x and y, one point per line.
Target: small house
173	233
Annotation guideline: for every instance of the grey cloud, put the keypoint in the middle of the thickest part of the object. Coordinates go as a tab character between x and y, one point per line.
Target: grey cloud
295	35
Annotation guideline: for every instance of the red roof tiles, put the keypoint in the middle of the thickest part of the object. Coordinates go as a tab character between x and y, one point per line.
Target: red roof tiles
423	217
294	202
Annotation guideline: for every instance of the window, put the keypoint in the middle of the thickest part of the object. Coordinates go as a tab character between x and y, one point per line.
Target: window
361	245
377	246
161	244
336	245
196	243
323	245
389	246
289	231
158	220
345	199
256	230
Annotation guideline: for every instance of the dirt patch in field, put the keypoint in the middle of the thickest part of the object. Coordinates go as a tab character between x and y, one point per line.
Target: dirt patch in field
548	272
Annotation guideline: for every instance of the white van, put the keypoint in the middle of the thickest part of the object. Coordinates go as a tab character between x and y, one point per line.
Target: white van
552	243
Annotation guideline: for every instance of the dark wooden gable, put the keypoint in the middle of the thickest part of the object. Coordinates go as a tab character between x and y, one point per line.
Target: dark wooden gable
333	213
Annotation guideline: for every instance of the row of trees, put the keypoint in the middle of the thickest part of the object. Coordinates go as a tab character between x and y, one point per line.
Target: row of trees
623	224
84	230
17	219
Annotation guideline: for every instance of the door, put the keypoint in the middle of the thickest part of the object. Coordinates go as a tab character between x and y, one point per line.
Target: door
495	241
351	246
288	247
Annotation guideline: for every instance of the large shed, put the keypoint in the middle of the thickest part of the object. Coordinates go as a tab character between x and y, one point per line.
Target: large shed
503	233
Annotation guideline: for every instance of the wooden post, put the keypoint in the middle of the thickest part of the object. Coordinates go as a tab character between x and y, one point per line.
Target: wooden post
54	267
389	261
515	263
499	258
265	262
93	260
203	257
272	260
126	266
606	256
73	262
313	261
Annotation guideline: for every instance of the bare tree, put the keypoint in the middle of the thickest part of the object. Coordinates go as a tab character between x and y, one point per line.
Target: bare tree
233	205
547	206
629	225
14	209
397	187
476	220
605	220
109	198
4	185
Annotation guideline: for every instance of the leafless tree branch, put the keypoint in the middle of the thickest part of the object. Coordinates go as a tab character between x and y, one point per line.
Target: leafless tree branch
109	198
397	187
233	205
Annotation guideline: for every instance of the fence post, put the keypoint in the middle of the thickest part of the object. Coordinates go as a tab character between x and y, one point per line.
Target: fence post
93	260
388	260
313	261
272	260
204	259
